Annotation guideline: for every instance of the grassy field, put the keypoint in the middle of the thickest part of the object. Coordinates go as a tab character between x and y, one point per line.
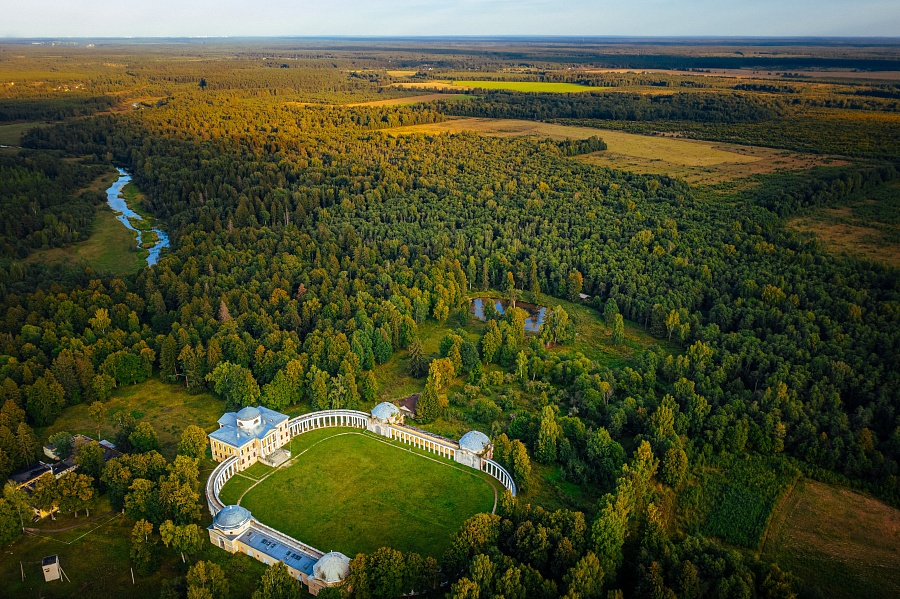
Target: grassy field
698	162
111	248
839	542
11	133
528	86
413	100
169	408
96	558
868	228
353	492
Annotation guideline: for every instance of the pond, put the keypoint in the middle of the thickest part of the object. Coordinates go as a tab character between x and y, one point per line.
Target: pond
535	313
153	240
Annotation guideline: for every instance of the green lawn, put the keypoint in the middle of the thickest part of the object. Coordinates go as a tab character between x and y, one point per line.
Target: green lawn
353	492
530	86
169	408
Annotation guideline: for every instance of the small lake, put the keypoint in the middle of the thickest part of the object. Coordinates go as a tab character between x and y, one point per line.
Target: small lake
535	313
125	215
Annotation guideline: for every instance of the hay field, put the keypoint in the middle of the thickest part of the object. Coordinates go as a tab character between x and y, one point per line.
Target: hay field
843	543
698	162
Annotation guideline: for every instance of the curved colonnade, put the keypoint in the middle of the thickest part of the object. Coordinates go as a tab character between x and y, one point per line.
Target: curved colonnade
356	419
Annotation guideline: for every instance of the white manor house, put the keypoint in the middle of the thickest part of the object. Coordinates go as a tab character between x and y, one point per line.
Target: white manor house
259	434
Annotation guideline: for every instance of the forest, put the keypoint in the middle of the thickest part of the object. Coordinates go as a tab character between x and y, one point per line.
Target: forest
310	248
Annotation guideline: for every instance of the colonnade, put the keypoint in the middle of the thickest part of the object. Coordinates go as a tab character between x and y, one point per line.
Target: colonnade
356	419
420	441
499	472
327	418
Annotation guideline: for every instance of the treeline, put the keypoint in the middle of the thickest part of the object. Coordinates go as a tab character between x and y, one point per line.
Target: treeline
787	195
55	108
575	147
697	107
41	202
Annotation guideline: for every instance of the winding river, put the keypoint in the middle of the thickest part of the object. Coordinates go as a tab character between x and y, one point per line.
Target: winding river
125	214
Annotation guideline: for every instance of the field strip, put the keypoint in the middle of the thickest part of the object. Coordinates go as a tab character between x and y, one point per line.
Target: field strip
386	442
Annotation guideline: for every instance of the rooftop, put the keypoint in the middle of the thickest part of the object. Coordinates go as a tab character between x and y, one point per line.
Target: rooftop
332	567
233	435
385	410
410	403
278	551
30	473
474	441
230	517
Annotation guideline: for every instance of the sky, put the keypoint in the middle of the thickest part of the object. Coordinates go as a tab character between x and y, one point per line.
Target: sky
385	18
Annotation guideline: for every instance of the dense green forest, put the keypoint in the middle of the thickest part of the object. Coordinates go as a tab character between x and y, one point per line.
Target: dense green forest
309	245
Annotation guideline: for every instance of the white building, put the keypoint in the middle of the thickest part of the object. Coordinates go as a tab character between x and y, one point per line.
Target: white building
251	434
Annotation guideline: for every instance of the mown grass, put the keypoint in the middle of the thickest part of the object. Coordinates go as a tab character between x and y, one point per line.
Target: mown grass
838	542
351	492
168	408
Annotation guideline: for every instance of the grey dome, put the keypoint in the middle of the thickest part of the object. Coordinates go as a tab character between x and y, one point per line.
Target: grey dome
474	441
248	413
231	517
332	567
385	411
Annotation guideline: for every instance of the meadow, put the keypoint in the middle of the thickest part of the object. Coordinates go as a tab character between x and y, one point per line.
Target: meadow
841	543
168	408
354	492
867	228
697	162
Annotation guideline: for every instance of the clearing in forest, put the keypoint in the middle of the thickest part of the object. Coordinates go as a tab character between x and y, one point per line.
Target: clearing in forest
844	543
351	491
110	249
697	162
168	408
869	228
11	133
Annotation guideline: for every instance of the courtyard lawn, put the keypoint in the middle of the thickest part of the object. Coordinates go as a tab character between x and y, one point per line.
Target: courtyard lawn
353	492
